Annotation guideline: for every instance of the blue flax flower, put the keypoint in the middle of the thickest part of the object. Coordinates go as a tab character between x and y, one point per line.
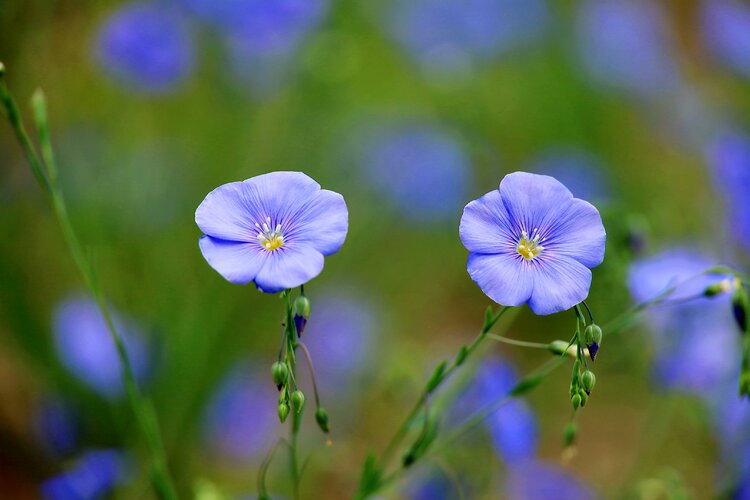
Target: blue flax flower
420	169
85	346
241	420
625	45
94	475
536	480
146	46
726	30
696	346
531	241
729	156
273	229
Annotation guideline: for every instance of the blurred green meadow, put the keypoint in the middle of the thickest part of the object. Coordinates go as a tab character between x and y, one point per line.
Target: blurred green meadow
137	158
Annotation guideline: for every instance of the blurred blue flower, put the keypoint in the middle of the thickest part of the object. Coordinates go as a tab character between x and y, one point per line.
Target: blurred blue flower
729	156
536	480
422	170
85	347
731	419
626	45
273	229
95	474
446	35
432	484
339	336
56	426
240	422
726	29
578	169
146	46
531	241
261	37
513	426
696	346
681	268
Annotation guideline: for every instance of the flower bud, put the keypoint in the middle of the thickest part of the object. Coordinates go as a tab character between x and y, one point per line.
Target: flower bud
588	379
569	433
283	411
301	313
584	397
561	347
592	334
745	385
279	371
576	400
740	307
321	417
298	400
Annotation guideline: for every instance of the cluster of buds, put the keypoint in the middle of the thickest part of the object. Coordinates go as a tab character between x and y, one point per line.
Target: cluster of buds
581	385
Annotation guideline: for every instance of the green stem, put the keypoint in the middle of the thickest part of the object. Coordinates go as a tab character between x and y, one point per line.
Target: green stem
464	354
519	343
47	179
296	421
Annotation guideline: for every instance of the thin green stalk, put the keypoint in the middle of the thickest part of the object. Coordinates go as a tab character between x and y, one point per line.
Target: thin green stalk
519	343
296	422
47	180
465	352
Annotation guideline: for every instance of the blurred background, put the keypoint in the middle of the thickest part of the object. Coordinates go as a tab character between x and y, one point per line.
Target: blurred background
410	109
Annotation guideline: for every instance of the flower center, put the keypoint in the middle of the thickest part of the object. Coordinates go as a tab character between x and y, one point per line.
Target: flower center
268	238
529	247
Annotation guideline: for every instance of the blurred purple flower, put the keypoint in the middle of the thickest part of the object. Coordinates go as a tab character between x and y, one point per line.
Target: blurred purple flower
531	241
421	169
729	156
578	169
696	346
536	480
626	45
146	46
56	426
445	35
433	484
339	336
512	426
731	419
94	475
273	229
85	347
726	29
240	422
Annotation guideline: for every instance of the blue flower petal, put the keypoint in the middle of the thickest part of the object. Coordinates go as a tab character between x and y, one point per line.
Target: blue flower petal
226	214
289	267
322	223
231	211
559	284
502	277
579	234
532	200
237	262
485	225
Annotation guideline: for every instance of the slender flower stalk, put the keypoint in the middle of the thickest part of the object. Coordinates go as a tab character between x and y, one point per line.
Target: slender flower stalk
45	172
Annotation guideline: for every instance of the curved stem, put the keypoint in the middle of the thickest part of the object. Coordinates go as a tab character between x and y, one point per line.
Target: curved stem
311	370
519	343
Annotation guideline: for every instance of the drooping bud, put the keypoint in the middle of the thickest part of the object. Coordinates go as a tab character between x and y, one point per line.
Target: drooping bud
298	400
283	411
280	372
740	306
301	313
576	400
745	385
561	347
723	286
584	397
588	379
592	336
569	434
321	417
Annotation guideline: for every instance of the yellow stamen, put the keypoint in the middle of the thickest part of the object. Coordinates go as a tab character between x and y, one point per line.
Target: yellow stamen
529	248
270	239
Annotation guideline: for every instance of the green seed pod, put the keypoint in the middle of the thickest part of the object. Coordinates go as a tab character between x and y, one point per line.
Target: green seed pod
302	306
283	412
280	372
569	433
321	417
592	334
588	379
298	400
740	307
584	397
576	400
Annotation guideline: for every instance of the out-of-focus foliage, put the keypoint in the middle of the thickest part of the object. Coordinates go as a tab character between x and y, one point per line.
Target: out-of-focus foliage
410	109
